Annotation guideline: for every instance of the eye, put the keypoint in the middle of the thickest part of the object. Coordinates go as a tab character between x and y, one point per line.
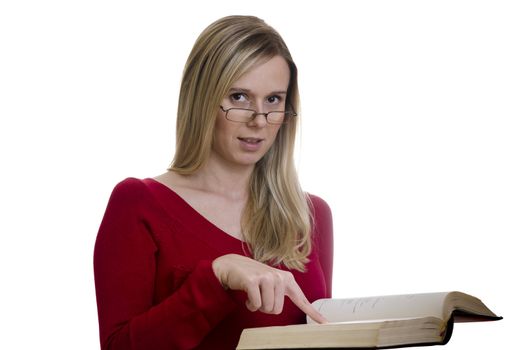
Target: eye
238	97
275	99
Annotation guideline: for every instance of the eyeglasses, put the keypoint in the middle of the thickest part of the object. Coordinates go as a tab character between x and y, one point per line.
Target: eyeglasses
244	115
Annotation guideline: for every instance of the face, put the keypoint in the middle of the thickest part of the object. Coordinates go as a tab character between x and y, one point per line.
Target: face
263	88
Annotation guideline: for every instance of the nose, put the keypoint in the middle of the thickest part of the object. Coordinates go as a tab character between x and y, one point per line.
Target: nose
259	119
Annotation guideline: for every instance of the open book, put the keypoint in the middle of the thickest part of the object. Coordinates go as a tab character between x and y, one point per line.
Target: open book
374	322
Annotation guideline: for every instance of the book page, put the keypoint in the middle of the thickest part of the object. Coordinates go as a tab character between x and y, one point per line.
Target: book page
382	307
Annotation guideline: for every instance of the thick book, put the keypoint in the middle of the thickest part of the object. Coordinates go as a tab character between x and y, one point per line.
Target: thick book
374	322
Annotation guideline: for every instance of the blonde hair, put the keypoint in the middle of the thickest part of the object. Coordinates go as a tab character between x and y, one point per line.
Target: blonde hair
276	222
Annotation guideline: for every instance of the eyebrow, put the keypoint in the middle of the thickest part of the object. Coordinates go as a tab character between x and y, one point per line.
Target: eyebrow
235	89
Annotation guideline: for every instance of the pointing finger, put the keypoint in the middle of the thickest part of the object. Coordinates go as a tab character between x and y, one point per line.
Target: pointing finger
298	298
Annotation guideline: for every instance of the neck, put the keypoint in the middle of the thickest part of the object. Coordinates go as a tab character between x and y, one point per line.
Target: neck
225	179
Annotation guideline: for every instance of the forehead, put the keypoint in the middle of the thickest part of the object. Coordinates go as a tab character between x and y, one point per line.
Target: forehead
266	76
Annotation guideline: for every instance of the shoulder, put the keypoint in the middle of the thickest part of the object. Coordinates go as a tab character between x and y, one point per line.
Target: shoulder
130	191
130	185
318	205
321	216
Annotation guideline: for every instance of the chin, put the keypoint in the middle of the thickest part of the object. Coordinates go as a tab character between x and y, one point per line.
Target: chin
249	160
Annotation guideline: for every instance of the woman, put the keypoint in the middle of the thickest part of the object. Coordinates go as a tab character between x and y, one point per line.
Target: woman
225	239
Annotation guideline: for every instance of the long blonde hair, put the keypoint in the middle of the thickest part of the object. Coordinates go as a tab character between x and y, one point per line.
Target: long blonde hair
276	222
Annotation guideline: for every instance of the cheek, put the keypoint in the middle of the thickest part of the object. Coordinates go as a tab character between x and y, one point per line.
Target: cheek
219	122
274	131
221	127
224	131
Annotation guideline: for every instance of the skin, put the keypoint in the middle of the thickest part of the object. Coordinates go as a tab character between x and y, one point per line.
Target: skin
224	181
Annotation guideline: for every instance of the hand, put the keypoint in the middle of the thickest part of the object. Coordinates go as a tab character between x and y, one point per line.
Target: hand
265	286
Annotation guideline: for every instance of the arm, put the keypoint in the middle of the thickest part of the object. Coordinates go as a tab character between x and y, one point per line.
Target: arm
324	239
124	270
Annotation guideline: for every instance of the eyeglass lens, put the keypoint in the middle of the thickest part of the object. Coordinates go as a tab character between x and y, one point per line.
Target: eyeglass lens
244	115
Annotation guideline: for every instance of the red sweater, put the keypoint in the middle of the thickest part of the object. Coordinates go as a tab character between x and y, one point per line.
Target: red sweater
155	286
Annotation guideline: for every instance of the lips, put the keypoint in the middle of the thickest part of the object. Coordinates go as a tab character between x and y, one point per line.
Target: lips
251	144
250	140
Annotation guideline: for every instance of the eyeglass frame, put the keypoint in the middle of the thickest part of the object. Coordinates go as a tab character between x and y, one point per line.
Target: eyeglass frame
287	115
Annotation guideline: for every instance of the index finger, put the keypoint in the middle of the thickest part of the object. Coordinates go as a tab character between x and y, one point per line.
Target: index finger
297	296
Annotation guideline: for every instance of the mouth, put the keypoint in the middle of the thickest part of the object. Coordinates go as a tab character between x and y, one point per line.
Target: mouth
250	140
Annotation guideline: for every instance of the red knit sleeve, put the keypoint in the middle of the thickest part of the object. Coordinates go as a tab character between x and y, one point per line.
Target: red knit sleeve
124	270
324	238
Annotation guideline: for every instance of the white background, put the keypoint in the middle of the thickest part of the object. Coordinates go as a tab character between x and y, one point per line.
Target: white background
414	129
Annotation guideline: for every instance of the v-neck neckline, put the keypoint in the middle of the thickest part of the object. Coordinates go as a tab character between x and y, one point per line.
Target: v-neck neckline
212	231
